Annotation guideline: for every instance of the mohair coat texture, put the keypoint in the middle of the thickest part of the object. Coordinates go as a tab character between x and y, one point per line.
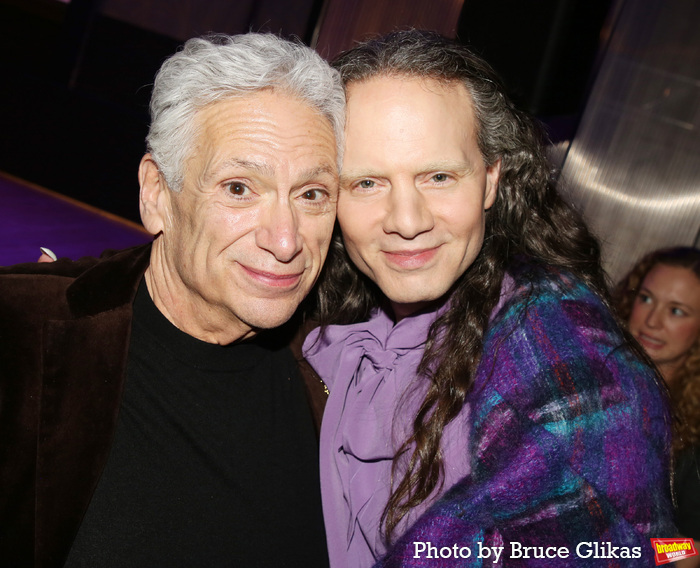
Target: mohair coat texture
570	439
64	340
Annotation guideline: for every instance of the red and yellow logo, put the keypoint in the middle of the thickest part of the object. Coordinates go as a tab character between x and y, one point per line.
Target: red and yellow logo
672	549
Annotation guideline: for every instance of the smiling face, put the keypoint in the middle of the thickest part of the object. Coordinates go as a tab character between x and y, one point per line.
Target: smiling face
414	187
665	317
244	241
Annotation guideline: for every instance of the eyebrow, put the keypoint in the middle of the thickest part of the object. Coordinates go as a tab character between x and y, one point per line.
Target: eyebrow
463	167
645	290
263	169
268	171
347	176
319	171
687	307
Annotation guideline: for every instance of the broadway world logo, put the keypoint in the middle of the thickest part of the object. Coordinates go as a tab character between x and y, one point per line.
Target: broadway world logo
672	549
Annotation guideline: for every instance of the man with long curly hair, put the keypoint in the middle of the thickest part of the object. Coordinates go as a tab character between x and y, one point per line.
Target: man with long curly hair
482	393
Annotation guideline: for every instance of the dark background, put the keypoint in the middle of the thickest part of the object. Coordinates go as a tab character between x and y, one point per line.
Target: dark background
76	78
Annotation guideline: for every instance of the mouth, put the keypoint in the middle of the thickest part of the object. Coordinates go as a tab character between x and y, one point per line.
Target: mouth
411	259
273	279
649	342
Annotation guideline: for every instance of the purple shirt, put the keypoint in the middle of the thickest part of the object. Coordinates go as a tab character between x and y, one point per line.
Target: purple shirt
370	370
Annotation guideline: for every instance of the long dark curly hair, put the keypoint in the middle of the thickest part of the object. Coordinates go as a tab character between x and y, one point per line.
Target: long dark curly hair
528	218
684	389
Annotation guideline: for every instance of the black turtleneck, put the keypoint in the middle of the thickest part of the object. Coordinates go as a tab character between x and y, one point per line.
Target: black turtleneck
214	461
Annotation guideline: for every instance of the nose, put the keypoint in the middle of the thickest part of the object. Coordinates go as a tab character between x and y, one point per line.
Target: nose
408	213
278	232
653	319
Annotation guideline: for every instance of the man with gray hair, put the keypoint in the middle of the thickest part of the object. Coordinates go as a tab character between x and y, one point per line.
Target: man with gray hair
151	415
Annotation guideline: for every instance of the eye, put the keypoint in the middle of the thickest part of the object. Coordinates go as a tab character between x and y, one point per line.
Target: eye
677	312
238	189
643	298
315	200
440	178
361	185
315	194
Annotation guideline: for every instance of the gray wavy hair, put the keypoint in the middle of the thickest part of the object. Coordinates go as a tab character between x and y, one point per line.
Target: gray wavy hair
217	67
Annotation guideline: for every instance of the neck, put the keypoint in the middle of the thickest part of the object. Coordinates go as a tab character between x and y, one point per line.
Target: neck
188	310
669	371
402	311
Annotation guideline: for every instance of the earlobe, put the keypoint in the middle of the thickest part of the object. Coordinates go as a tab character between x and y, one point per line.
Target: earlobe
493	174
153	195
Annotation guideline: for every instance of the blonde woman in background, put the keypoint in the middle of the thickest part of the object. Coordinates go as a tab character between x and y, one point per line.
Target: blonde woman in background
660	298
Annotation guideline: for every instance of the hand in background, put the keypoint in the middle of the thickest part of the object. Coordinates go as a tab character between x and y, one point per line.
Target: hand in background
47	255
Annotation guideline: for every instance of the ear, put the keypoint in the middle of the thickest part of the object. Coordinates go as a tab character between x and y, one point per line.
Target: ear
493	173
154	197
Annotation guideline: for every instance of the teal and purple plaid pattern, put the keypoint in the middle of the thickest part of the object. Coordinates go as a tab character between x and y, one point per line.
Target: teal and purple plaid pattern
570	441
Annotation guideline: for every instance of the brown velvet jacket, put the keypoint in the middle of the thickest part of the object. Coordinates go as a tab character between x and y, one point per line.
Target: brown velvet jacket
64	339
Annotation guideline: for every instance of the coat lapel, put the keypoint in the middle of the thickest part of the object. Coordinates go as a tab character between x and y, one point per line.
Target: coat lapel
84	360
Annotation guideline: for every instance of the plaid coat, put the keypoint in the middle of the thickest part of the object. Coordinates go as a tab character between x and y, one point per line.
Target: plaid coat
570	442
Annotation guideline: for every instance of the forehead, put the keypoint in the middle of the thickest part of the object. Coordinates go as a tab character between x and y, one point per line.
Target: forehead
416	112
399	83
267	127
675	283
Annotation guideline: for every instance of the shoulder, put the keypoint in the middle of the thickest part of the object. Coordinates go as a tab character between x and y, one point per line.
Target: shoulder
34	287
551	305
535	285
46	287
64	270
554	338
557	365
543	305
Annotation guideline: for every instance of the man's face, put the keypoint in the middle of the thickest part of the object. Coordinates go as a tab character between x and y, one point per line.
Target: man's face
245	239
414	187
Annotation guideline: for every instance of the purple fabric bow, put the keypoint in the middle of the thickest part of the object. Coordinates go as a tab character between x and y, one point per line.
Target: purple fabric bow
370	370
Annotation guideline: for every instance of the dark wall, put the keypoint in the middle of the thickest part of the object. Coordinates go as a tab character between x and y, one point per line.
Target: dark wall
76	85
76	126
545	50
73	107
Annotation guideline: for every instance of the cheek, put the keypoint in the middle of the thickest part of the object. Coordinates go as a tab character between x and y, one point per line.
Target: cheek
223	228
356	252
469	231
354	225
185	225
636	316
463	214
346	209
317	235
359	249
686	334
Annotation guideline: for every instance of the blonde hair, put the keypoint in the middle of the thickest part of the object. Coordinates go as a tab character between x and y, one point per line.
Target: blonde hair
684	389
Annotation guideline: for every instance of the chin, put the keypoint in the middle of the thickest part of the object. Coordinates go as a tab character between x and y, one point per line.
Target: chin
423	298
271	317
